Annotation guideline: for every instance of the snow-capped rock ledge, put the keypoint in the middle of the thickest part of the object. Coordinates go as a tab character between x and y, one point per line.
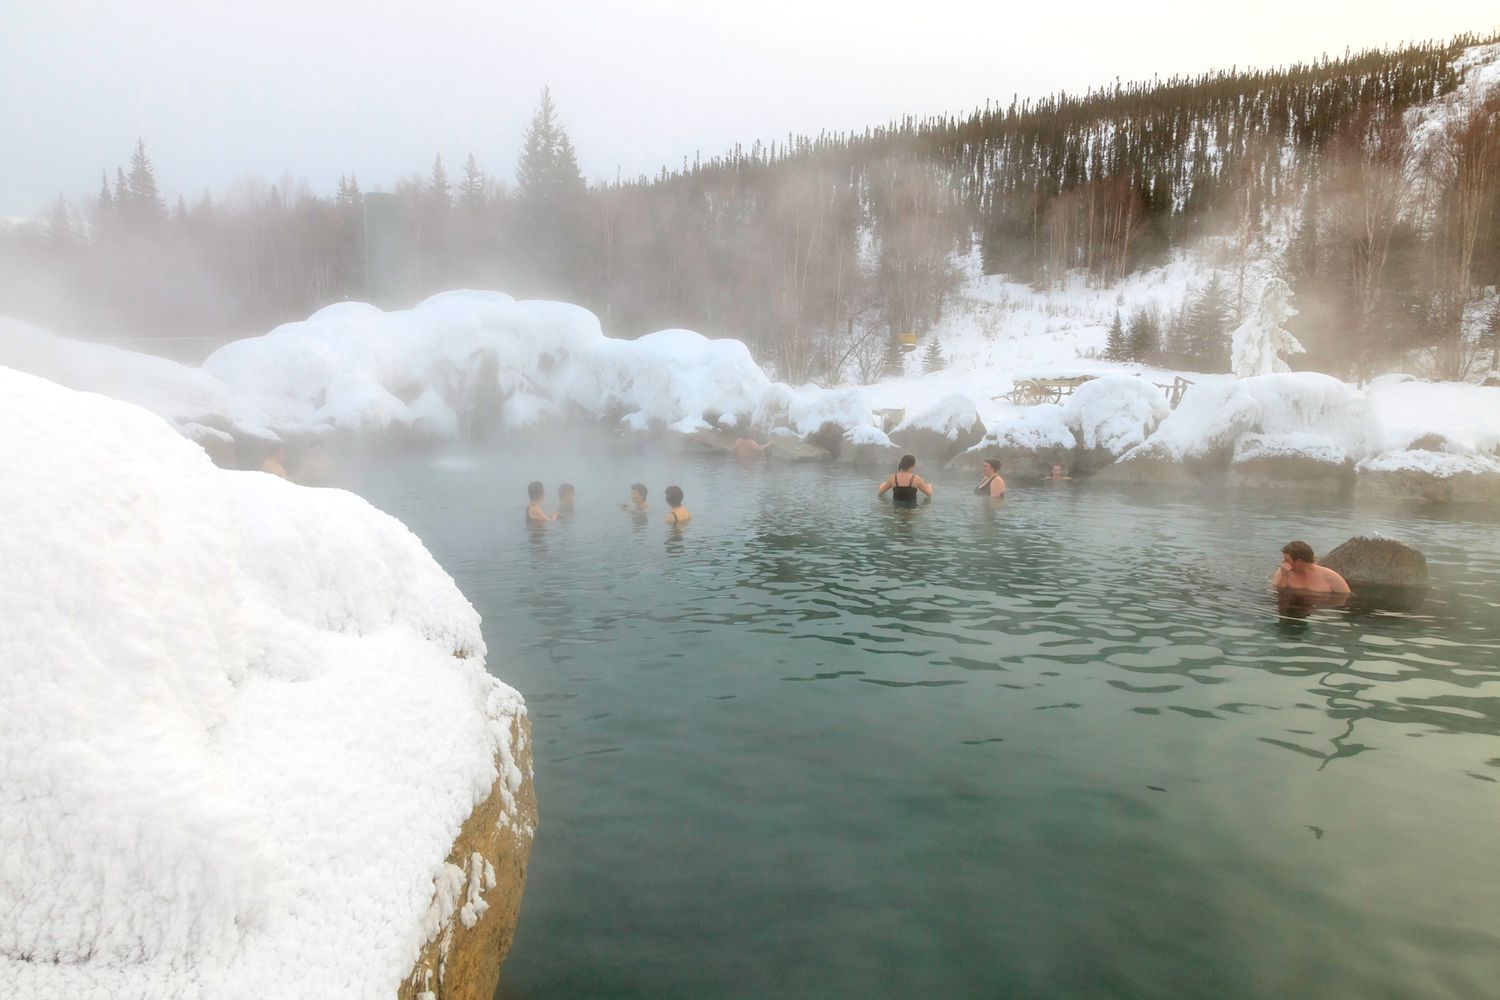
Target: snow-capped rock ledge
243	726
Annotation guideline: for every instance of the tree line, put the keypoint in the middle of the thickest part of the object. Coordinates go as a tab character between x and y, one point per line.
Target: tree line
820	251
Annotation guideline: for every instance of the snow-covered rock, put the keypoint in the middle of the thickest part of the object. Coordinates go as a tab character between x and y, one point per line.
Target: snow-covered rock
865	447
241	722
1112	415
1296	461
1213	415
949	426
1429	476
1028	440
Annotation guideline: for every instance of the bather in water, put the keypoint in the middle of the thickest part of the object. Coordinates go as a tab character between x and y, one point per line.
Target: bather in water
678	515
904	484
991	485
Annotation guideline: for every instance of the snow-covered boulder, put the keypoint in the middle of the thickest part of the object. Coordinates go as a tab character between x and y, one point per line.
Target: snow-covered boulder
699	440
866	447
1111	415
1432	477
949	426
1366	562
1148	466
1213	415
242	723
1298	461
1028	441
784	446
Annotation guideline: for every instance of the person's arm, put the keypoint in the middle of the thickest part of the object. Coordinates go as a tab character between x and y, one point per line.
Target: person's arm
885	486
997	487
923	485
1278	578
535	513
1337	584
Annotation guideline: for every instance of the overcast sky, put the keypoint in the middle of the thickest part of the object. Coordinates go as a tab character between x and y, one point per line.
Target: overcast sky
314	88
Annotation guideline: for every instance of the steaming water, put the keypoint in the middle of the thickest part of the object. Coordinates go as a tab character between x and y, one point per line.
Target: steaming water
818	746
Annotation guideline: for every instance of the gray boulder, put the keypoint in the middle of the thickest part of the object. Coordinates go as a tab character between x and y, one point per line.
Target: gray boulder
790	449
1377	562
1146	466
1429	477
1290	463
934	446
702	441
873	456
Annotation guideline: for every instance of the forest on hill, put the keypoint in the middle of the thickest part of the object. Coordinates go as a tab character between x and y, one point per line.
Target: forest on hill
819	251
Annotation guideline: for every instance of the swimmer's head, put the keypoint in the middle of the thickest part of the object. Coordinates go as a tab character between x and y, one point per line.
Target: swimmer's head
674	496
534	491
638	492
907	462
565	491
1056	471
992	466
1299	552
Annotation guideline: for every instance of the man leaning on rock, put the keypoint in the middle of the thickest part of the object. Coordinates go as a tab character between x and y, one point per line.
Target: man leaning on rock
1299	570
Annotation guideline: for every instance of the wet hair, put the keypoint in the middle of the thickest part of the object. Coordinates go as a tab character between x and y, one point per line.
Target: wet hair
674	496
993	463
907	462
1299	550
565	490
534	490
639	488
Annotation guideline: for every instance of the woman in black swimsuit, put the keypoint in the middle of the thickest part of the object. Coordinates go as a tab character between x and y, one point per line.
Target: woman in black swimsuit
904	483
991	485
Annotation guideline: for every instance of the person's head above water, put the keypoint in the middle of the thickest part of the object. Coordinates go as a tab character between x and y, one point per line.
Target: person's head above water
992	467
638	492
674	496
908	462
565	491
1298	552
534	490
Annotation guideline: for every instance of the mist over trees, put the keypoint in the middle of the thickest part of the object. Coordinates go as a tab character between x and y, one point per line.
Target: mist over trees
820	251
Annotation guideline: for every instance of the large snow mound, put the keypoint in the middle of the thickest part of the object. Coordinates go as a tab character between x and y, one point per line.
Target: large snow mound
1116	412
241	722
1213	415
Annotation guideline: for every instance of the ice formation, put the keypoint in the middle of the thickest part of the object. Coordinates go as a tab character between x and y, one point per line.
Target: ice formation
1115	413
241	721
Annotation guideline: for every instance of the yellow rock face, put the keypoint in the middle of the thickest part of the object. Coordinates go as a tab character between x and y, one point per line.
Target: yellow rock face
476	912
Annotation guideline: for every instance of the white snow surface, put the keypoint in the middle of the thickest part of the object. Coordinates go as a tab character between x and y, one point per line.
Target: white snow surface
1115	413
1213	416
236	744
951	416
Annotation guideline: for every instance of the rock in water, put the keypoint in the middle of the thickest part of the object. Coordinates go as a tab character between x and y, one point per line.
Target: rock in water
1378	562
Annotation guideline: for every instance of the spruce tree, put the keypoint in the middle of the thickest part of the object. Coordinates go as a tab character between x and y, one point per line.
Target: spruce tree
146	205
1143	340
438	187
106	200
1205	344
1117	347
471	188
59	225
932	358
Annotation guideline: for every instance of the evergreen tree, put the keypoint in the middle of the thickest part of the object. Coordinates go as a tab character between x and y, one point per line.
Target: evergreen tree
106	200
59	225
1205	341
471	189
1260	341
438	186
1143	339
932	358
146	205
551	199
1117	347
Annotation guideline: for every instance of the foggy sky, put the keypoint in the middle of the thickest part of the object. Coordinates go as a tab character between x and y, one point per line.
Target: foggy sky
319	87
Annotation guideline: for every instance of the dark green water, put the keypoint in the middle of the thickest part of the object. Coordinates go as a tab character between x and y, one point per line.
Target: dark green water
1064	746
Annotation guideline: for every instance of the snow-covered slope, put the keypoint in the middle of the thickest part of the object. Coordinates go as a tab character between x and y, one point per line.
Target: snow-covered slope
241	722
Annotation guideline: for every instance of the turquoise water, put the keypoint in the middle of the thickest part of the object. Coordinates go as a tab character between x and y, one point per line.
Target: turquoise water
1062	746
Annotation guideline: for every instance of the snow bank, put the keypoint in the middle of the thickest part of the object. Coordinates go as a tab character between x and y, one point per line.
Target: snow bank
1257	447
1030	428
1212	416
1466	416
178	392
241	722
810	408
953	416
1433	463
1115	413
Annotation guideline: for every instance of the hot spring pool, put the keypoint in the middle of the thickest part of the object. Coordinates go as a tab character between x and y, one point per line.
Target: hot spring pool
815	746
